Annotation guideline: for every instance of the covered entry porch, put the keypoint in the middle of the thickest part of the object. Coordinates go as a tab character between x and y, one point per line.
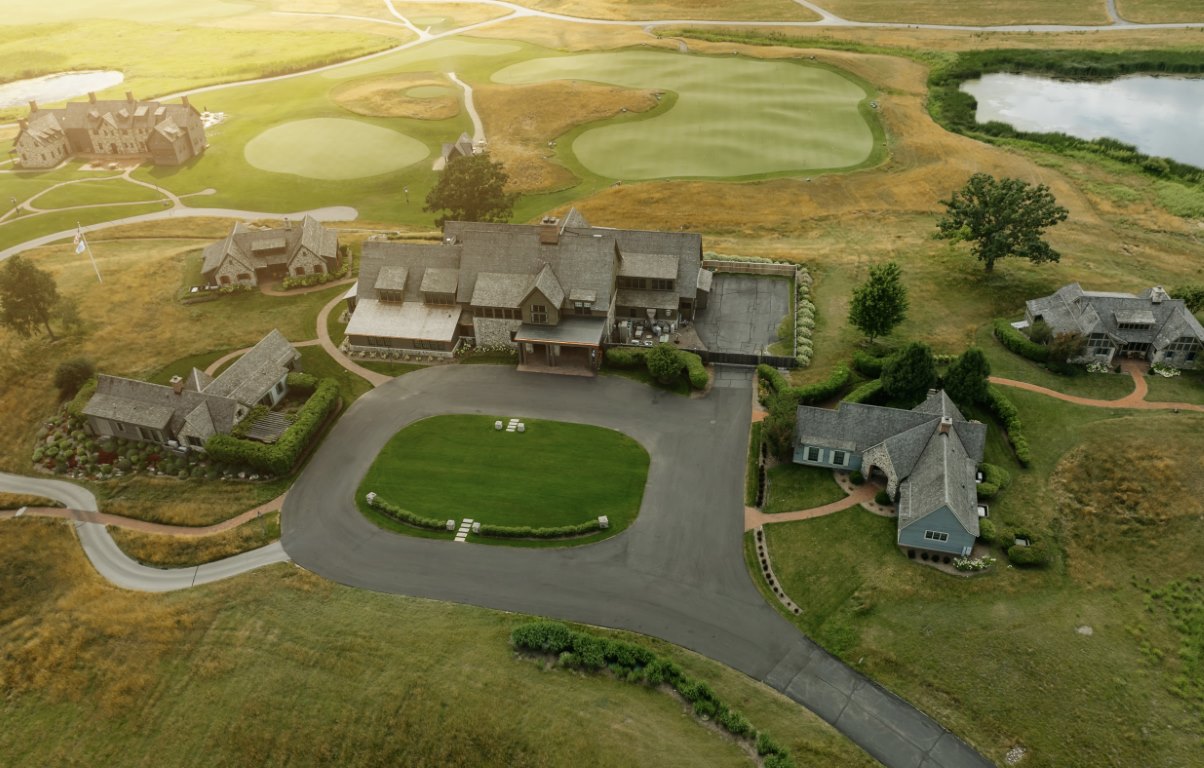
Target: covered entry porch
573	347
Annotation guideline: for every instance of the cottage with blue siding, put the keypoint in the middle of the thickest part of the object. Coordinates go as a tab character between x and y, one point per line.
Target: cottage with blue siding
929	457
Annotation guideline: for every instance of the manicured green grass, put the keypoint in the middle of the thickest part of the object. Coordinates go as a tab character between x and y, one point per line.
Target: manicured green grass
794	487
280	667
1188	387
999	658
28	226
733	117
96	192
1155	11
184	365
972	12
332	149
461	467
315	361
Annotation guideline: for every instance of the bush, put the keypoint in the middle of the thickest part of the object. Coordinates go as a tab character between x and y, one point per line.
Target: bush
883	498
1034	555
871	392
994	480
1006	412
301	382
736	724
812	393
856	478
1017	342
986	531
72	374
406	516
696	372
767	746
663	362
909	374
626	357
528	532
868	365
280	457
1040	332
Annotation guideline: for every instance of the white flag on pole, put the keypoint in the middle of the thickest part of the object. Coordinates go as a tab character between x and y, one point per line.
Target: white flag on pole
80	243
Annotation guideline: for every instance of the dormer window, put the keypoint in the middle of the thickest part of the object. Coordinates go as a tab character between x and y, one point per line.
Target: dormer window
392	296
539	314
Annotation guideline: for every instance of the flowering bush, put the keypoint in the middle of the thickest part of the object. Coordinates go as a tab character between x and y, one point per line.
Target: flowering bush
1097	367
973	563
1165	371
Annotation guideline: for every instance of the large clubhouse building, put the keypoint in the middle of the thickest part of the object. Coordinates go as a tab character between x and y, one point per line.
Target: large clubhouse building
1151	326
166	134
556	290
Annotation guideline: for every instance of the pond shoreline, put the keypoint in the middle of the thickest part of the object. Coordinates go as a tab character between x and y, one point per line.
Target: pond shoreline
60	86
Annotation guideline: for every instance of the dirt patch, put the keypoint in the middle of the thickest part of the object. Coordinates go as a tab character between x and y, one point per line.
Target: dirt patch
388	97
523	120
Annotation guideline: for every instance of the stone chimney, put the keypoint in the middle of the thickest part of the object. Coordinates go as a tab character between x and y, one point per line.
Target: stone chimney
549	230
184	101
946	424
177	384
1158	295
33	106
129	96
92	96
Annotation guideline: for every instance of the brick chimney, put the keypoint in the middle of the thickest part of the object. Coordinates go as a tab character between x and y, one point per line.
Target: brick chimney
33	106
549	230
946	424
92	96
177	384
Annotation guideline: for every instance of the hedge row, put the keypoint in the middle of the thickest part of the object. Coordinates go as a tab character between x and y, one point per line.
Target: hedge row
636	664
1006	412
995	479
279	457
406	516
812	393
868	365
302	382
637	357
1017	342
804	317
870	392
527	532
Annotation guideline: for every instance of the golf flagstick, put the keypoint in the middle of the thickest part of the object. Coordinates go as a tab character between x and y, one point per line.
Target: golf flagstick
81	245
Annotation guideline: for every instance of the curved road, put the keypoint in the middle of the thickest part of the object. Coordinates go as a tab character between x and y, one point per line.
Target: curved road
678	573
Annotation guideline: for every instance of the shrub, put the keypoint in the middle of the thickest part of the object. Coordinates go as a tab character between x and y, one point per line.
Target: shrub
883	498
302	382
527	532
664	365
856	478
870	392
736	724
986	531
696	372
626	357
406	516
1006	412
1034	555
1040	332
995	479
767	746
1017	342
72	374
868	365
911	373
280	457
826	389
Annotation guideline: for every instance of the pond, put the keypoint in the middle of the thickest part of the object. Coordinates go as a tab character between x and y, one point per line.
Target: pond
52	88
1159	115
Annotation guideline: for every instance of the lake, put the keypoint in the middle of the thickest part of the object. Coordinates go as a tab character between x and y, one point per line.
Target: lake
51	88
1159	115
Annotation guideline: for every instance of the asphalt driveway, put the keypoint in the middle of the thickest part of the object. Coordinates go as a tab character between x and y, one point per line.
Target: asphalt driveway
677	573
743	313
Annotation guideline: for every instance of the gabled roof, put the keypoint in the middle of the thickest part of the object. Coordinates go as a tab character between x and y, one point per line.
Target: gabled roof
546	283
495	289
1073	309
943	478
256	372
416	258
156	406
255	248
391	278
440	280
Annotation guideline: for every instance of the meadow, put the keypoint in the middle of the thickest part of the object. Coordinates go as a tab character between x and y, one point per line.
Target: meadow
281	667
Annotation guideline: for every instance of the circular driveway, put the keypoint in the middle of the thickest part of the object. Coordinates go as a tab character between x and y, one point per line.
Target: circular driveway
677	573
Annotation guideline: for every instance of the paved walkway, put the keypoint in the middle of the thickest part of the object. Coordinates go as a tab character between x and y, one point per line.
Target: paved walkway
754	517
269	288
372	377
1135	399
101	518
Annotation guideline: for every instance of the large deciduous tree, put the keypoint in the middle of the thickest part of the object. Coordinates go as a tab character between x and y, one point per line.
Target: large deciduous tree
471	188
27	297
880	303
909	374
967	379
1000	218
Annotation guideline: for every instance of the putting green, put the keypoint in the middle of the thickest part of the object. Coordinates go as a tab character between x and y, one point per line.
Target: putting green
733	117
429	92
332	149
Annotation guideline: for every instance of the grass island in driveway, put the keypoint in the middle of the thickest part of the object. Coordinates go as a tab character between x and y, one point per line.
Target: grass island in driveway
552	474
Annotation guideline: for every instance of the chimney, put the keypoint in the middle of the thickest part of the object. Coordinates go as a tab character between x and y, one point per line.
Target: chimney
946	424
184	101
23	123
92	96
549	230
177	384
33	106
129	96
1158	295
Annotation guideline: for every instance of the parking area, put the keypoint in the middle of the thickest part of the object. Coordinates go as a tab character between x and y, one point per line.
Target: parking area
743	313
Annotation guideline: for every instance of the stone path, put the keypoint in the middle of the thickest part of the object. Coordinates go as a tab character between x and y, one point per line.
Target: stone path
1135	399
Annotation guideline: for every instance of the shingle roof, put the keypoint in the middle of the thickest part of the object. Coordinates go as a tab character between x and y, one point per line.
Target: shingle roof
391	278
157	406
407	320
1073	309
629	297
944	476
546	283
256	248
256	372
495	289
440	280
653	265
415	257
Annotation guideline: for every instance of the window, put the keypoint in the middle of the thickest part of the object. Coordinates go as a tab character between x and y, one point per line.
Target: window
244	277
225	280
812	453
299	271
635	283
539	314
936	535
661	285
1133	326
582	308
145	433
839	458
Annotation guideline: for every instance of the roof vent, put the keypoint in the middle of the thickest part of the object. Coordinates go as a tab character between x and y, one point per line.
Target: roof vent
946	423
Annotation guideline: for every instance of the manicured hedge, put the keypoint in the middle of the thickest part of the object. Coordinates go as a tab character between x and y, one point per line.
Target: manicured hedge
1017	342
406	516
637	357
1006	412
696	371
637	664
528	532
626	357
870	392
986	532
302	382
279	457
868	365
812	393
994	480
1035	554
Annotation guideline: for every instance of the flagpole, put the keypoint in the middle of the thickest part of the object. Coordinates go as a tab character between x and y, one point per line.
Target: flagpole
79	236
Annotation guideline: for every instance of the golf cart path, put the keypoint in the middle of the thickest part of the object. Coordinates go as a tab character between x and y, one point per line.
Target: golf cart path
144	526
116	566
